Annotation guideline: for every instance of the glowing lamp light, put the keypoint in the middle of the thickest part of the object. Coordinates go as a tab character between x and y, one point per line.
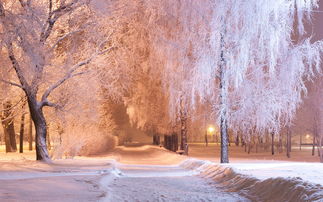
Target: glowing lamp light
307	136
211	129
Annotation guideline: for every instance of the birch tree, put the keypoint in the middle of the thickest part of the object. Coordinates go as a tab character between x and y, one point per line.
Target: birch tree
260	70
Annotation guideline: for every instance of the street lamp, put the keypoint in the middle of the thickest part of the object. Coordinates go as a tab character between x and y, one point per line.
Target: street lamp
211	129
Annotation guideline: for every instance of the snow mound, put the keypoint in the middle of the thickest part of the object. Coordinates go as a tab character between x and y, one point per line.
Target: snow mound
271	189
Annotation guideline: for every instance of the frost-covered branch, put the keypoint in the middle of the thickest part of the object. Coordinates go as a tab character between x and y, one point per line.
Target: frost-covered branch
17	67
54	15
62	38
71	72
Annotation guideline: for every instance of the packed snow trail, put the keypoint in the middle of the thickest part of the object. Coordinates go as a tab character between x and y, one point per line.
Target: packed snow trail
163	183
153	174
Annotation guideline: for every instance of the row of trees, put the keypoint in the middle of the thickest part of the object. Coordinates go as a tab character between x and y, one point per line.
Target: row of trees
248	61
175	66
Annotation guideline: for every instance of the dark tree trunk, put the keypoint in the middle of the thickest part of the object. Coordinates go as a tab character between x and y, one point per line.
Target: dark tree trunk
156	139
21	137
280	143
8	128
184	145
7	140
30	139
319	141
174	142
12	135
272	143
288	145
242	141
237	140
206	140
300	142
40	127
313	146
249	147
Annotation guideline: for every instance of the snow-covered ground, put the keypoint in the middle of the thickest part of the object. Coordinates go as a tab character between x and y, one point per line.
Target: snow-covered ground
264	165
163	183
150	173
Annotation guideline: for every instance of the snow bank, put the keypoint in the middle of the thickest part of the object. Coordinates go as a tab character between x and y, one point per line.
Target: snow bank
254	188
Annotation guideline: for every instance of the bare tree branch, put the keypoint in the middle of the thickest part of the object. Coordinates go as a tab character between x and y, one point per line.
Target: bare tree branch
11	83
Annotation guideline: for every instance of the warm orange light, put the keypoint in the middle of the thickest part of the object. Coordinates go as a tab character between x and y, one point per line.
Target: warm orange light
211	129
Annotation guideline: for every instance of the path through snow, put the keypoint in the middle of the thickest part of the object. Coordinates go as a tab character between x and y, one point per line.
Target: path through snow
150	173
164	183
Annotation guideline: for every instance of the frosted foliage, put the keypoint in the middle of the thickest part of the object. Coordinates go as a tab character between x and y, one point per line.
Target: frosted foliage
85	128
264	69
265	66
80	141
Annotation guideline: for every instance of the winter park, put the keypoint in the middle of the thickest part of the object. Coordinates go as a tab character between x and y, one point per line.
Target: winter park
161	100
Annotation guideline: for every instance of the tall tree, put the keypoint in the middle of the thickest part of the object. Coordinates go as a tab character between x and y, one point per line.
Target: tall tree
34	32
258	64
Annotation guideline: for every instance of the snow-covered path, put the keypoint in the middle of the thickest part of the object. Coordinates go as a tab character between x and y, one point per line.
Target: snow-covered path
150	173
164	183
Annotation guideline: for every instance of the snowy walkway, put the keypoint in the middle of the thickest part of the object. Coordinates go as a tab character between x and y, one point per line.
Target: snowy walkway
164	183
150	173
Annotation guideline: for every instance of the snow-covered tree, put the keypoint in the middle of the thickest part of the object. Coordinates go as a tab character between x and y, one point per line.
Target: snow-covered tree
48	43
259	70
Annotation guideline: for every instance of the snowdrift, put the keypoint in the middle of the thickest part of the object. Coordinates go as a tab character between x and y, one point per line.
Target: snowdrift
271	189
